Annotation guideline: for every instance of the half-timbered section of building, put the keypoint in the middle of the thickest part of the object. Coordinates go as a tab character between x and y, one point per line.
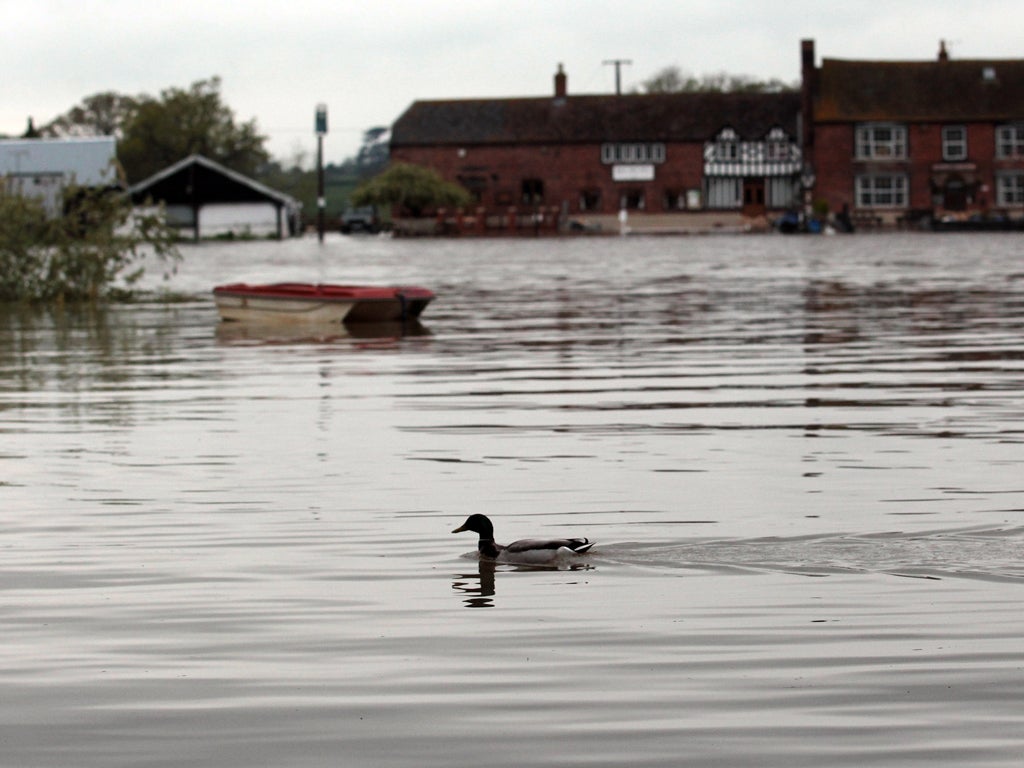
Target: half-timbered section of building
897	140
589	155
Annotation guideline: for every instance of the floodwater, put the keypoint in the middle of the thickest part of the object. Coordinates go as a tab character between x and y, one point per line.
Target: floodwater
802	459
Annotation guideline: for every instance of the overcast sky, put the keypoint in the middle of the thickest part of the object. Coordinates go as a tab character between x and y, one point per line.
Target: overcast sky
368	60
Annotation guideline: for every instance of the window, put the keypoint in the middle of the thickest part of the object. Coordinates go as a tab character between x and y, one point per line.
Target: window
782	192
724	192
533	191
778	147
1010	189
1010	141
674	200
727	145
882	191
881	141
632	200
475	185
954	143
632	153
590	200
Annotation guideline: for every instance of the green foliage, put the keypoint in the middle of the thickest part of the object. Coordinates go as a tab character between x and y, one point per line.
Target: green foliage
77	256
102	114
675	80
411	189
182	122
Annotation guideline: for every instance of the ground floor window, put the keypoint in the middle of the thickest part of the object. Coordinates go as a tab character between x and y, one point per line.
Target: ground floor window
724	192
590	200
1010	189
674	200
884	191
533	191
781	192
632	200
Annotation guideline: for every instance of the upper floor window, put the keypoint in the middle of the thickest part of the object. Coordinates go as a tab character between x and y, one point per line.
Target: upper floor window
881	141
727	145
1010	140
954	143
778	147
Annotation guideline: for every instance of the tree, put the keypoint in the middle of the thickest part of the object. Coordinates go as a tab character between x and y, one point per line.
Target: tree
411	189
372	157
80	255
102	114
674	80
189	121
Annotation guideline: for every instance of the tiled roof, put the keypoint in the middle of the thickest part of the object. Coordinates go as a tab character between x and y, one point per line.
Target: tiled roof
920	90
587	119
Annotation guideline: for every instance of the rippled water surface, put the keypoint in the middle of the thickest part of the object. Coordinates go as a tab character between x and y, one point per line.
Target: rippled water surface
802	458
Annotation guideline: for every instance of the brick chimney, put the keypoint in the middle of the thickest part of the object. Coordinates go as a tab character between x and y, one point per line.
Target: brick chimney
808	94
560	83
943	53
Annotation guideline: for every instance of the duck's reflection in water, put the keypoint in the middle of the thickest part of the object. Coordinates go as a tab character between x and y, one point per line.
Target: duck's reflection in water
478	588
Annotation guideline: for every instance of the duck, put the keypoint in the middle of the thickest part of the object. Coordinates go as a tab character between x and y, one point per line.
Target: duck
525	551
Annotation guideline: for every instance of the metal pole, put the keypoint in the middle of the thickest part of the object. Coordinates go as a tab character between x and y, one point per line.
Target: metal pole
321	202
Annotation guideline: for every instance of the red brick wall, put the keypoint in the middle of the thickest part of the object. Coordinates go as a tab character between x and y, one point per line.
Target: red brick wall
833	165
836	168
565	169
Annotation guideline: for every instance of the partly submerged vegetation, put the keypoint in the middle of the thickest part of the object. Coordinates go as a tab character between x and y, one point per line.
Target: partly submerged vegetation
93	250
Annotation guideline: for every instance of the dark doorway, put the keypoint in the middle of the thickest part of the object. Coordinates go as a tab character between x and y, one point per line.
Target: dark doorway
954	196
753	197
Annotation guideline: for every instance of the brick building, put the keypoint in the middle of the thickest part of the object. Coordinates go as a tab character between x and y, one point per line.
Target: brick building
902	140
579	158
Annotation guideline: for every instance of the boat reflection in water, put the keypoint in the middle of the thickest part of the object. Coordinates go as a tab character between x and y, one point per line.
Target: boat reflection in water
257	333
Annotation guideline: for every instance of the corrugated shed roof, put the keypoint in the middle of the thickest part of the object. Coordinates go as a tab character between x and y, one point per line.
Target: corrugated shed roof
90	162
588	119
920	90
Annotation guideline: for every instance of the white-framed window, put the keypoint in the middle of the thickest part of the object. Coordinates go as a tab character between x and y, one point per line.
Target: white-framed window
882	191
1010	189
727	145
778	147
954	143
881	141
1010	140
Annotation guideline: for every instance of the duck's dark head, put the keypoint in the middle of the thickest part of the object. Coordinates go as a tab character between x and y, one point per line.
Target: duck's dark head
478	524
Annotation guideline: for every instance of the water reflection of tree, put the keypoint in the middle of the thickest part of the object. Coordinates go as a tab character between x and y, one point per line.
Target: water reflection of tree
80	348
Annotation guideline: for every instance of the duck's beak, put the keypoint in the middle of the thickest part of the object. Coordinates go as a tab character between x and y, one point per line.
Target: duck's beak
460	529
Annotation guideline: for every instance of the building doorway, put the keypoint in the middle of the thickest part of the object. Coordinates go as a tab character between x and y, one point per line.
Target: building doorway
753	197
954	195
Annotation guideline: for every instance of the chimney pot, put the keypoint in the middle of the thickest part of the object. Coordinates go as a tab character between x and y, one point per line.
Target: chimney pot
560	83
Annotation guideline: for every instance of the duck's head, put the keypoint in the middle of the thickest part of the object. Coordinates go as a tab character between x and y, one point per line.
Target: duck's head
478	524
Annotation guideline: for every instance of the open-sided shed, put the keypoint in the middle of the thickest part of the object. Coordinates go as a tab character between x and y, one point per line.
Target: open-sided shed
206	197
